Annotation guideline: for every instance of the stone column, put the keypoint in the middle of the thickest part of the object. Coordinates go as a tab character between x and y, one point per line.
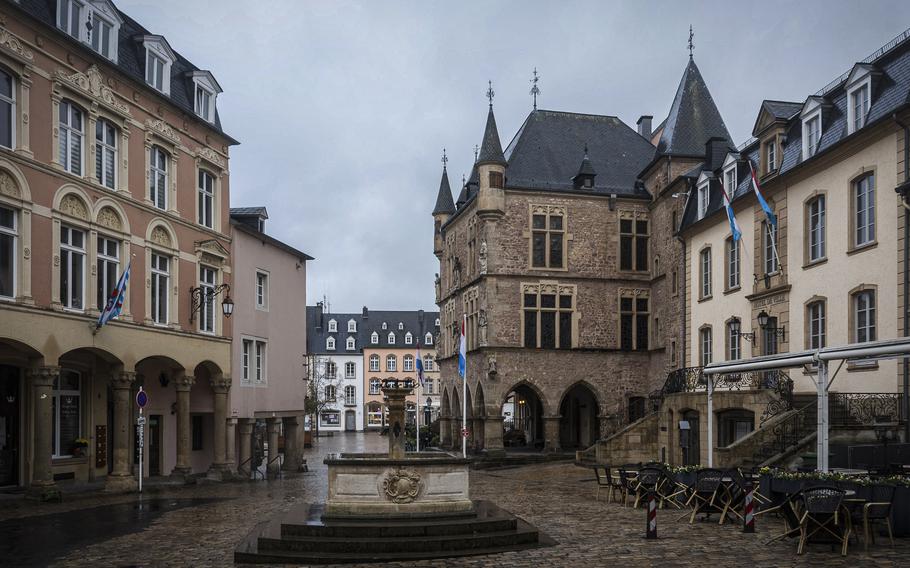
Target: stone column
445	433
477	432
220	466
551	433
291	444
42	486
120	478
395	392
274	427
246	447
492	434
231	434
183	383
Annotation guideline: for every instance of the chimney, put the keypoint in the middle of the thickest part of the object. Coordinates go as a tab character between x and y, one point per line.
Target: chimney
318	315
366	312
716	149
420	317
644	126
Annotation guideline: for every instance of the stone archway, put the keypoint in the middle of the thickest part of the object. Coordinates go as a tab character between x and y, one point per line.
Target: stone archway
479	418
579	424
523	418
445	417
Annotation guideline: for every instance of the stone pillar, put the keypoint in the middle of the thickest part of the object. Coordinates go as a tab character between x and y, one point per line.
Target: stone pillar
183	383
445	433
492	435
42	486
551	433
120	478
220	467
274	428
246	447
395	392
291	444
477	433
231	435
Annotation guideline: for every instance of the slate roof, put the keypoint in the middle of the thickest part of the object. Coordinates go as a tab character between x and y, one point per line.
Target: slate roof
444	202
490	146
239	223
316	336
782	109
890	93
693	118
249	212
130	58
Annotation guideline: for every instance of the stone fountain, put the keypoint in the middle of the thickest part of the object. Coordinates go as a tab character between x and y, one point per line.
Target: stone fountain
394	506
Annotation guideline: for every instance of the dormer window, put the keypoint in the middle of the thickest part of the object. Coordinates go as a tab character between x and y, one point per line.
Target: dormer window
374	338
729	179
859	107
428	339
69	17
400	326
859	95
437	322
351	344
408	338
333	326
391	338
352	326
812	126
384	325
771	156
93	22
704	197
206	91
330	344
158	59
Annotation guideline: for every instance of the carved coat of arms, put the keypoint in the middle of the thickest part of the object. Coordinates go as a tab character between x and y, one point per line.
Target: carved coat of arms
401	485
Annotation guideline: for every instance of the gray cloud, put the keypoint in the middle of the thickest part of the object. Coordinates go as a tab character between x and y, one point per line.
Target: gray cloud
343	108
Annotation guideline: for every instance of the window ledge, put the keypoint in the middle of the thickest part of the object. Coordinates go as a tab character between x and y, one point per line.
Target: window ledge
547	269
862	247
814	263
69	461
871	366
732	290
705	298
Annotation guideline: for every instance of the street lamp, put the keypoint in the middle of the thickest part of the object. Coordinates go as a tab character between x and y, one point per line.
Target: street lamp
763	323
200	296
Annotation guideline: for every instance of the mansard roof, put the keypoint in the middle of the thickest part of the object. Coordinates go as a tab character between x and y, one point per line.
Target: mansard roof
317	334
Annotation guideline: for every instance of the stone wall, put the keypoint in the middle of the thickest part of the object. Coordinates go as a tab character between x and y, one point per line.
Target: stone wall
638	442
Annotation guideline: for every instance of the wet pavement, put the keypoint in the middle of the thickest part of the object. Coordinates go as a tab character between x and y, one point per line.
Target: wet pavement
200	525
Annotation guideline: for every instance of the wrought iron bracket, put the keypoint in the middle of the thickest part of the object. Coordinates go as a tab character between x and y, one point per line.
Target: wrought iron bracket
200	295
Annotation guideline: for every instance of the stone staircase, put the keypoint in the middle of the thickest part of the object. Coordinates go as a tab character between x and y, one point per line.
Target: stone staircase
304	536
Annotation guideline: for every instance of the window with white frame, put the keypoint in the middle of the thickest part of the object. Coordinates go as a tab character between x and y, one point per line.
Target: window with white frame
108	269
734	339
262	290
864	316
374	338
859	107
158	60
374	363
391	338
69	17
72	268
864	210
66	413
408	363
207	278
70	133
706	343
246	359
391	363
260	361
352	326
160	287
351	344
330	343
9	236
103	36
331	370
400	326
733	264
815	313
771	156
705	281
384	325
437	322
106	153
769	247
375	386
7	109
815	214
428	363
704	197
408	338
206	199
350	370
329	393
158	166
333	326
253	360
730	180
812	133
205	104
428	339
350	395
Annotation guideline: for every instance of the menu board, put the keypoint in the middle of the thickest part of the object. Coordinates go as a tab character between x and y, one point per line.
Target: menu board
69	422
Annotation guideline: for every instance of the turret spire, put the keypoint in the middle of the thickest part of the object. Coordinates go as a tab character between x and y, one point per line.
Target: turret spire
444	203
490	147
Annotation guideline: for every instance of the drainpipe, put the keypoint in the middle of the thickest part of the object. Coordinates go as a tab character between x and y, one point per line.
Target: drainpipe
905	187
682	280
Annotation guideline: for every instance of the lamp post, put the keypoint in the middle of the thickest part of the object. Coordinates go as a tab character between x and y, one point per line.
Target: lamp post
202	295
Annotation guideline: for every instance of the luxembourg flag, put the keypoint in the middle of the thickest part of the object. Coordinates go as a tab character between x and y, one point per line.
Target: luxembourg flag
463	350
115	302
729	206
420	378
761	199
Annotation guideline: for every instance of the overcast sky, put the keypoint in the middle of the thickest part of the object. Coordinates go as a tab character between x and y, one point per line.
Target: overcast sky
343	108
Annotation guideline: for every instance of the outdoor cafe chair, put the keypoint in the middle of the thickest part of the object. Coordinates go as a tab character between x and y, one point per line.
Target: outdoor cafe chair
707	493
787	510
648	481
602	476
616	485
822	517
876	510
627	476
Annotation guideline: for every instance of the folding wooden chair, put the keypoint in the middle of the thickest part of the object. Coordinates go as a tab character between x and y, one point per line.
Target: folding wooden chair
705	493
602	477
822	518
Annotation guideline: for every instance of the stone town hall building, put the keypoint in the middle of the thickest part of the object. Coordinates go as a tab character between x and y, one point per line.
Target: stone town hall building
560	250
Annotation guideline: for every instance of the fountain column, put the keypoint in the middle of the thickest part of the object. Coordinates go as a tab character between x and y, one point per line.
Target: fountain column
395	392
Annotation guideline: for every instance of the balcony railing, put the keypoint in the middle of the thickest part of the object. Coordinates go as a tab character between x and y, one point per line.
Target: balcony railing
864	408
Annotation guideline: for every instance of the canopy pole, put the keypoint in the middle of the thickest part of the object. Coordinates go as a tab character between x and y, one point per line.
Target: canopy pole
822	434
710	420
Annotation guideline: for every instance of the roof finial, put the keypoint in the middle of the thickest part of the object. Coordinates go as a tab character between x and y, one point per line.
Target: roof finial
586	150
535	90
490	93
463	180
476	149
445	159
691	45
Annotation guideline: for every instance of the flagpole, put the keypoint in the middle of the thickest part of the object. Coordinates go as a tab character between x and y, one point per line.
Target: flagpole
417	416
464	394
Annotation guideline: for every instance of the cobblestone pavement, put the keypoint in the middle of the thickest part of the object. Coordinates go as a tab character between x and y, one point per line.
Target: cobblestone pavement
199	525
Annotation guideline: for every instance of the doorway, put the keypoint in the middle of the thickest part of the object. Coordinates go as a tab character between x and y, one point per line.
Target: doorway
350	421
689	440
154	443
9	425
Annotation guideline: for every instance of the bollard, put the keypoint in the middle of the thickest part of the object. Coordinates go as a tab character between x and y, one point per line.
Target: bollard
748	503
651	527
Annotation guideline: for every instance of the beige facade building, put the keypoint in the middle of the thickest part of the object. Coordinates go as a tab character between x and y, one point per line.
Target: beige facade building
111	155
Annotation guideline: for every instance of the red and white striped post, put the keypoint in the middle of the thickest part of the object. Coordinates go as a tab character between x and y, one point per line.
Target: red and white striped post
651	528
748	504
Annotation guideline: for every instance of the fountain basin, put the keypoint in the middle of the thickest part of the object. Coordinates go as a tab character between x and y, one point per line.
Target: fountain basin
371	485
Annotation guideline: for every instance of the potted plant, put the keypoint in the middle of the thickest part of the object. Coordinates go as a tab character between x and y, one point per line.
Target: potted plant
79	446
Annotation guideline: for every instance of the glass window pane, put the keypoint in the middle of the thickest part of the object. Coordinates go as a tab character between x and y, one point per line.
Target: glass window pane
625	252
530	328
625	304
625	226
556	250
539	222
547	330
625	331
547	301
565	330
641	331
556	222
530	300
539	249
7	256
641	253
565	302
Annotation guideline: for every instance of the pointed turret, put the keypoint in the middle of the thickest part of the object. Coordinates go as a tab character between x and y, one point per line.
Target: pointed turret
491	169
586	174
490	148
693	118
444	203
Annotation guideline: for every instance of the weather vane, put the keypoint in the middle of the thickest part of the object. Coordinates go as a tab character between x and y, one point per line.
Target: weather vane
535	90
691	45
490	93
445	159
476	149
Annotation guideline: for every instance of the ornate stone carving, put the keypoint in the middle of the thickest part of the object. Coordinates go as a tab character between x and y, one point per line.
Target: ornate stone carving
212	248
27	253
14	44
93	84
482	324
483	257
160	236
123	380
74	207
163	129
491	366
184	382
210	155
43	376
220	384
401	485
8	185
438	285
110	219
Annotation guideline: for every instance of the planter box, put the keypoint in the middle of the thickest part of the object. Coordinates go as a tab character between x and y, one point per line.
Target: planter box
900	511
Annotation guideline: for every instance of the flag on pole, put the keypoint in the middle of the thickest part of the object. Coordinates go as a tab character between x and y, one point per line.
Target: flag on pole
420	377
463	350
761	199
115	302
734	226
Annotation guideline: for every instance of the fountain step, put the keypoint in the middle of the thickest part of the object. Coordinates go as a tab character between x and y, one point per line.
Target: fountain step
267	543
